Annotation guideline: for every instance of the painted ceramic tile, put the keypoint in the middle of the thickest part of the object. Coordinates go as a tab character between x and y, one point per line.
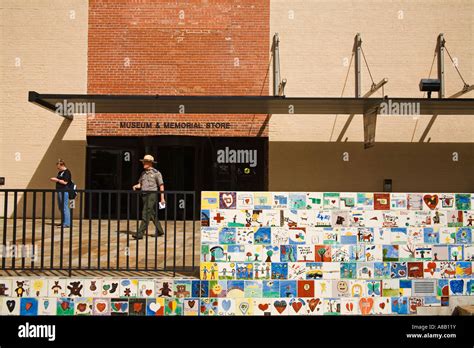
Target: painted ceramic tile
280	306
262	200
191	306
101	306
75	288
245	200
83	306
235	288
331	270
137	307
390	287
398	201
271	288
331	200
463	269
5	287
322	218
431	270
315	306
164	288
415	201
415	269
358	288
447	201
381	201
296	270
209	306
244	306
382	305
297	200
210	235
21	287
405	287
455	252
28	306
447	269
209	270
271	218
226	306
400	305
382	270
244	236
455	218
263	306
347	200
373	218
365	201
10	306
205	218
349	235
350	306
414	303
217	288
323	288
469	253
128	288
297	306
38	287
463	201
182	288
314	200
227	200
65	306
341	288
365	270
110	287
340	253
314	270
155	306
332	306
209	200
146	288
119	307
280	200
373	252
464	235
431	201
92	288
47	306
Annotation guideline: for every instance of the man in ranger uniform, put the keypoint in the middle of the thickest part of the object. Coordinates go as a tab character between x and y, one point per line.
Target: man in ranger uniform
149	182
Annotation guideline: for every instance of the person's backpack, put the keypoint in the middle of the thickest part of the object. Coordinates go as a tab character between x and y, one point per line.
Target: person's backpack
72	190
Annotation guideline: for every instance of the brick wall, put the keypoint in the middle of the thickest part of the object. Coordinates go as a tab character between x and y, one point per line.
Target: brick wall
178	48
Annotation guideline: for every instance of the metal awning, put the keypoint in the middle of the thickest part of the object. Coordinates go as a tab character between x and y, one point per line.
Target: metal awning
157	104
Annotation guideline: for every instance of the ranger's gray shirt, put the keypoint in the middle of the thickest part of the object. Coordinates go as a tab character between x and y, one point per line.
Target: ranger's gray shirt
150	180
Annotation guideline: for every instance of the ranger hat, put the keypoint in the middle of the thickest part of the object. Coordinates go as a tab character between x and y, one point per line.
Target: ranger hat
148	158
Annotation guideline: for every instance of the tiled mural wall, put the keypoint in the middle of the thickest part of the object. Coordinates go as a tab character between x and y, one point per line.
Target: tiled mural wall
265	253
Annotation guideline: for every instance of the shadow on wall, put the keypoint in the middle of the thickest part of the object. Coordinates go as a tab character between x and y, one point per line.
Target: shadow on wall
346	166
74	154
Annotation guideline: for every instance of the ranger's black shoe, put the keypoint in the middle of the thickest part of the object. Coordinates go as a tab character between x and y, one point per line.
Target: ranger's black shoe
137	236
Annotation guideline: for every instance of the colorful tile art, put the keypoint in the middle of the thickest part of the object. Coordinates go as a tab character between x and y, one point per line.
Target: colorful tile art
298	253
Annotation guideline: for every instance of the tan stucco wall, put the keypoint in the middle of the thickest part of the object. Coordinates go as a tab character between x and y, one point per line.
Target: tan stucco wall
48	42
398	39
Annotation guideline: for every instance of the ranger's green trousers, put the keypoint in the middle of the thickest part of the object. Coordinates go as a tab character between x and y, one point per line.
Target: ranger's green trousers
149	213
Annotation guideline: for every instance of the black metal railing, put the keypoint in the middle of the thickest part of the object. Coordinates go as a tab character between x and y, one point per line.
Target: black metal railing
100	234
